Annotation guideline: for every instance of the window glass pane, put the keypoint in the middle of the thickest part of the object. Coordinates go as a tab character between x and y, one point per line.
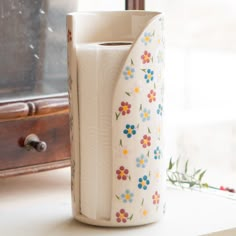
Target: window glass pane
33	51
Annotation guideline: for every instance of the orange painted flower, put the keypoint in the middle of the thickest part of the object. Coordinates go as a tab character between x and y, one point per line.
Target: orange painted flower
155	198
152	96
146	57
122	173
146	141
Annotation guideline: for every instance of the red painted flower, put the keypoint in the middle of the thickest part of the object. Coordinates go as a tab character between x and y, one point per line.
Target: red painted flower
152	96
124	108
146	141
146	57
155	198
121	216
122	173
69	36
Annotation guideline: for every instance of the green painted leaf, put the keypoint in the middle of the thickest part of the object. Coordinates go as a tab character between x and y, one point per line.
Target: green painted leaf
142	202
127	93
144	70
141	107
149	131
132	63
121	143
117	115
131	217
118	197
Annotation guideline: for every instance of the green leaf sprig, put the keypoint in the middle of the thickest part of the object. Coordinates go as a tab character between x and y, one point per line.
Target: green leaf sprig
185	178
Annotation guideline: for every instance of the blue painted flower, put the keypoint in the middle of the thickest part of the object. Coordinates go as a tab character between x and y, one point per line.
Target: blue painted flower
149	75
147	38
141	161
127	196
145	115
129	72
160	109
157	153
143	182
129	130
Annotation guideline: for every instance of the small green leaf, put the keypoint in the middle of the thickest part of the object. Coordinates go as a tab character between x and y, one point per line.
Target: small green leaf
196	172
142	202
149	174
144	70
153	33
186	167
177	164
121	143
127	93
171	164
141	107
132	63
201	175
117	115
155	86
148	153
131	217
129	177
149	131
118	197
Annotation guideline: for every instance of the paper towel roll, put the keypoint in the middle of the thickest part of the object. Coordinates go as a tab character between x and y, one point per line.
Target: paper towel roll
99	66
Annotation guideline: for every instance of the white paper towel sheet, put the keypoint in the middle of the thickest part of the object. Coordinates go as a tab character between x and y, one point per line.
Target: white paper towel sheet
98	71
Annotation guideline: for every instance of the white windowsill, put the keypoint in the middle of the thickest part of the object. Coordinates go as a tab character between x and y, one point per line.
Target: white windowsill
40	204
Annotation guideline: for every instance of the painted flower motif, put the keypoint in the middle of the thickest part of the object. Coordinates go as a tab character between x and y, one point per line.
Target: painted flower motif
129	72
157	153
146	141
151	96
141	161
125	151
69	36
160	109
149	75
157	175
136	90
147	38
122	216
144	212
124	108
146	57
129	130
122	173
143	182
127	196
145	115
155	198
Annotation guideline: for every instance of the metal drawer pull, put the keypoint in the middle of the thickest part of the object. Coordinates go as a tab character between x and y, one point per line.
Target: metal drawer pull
32	142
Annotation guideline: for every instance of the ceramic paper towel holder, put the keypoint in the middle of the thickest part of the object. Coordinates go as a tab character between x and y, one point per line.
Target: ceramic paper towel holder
135	169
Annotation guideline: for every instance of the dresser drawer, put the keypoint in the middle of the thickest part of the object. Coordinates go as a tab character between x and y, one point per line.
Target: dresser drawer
54	130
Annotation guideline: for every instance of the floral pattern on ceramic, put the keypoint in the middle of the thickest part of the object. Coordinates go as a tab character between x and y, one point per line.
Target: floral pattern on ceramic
137	190
137	127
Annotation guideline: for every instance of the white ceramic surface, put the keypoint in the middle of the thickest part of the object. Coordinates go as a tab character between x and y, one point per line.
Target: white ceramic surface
137	174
